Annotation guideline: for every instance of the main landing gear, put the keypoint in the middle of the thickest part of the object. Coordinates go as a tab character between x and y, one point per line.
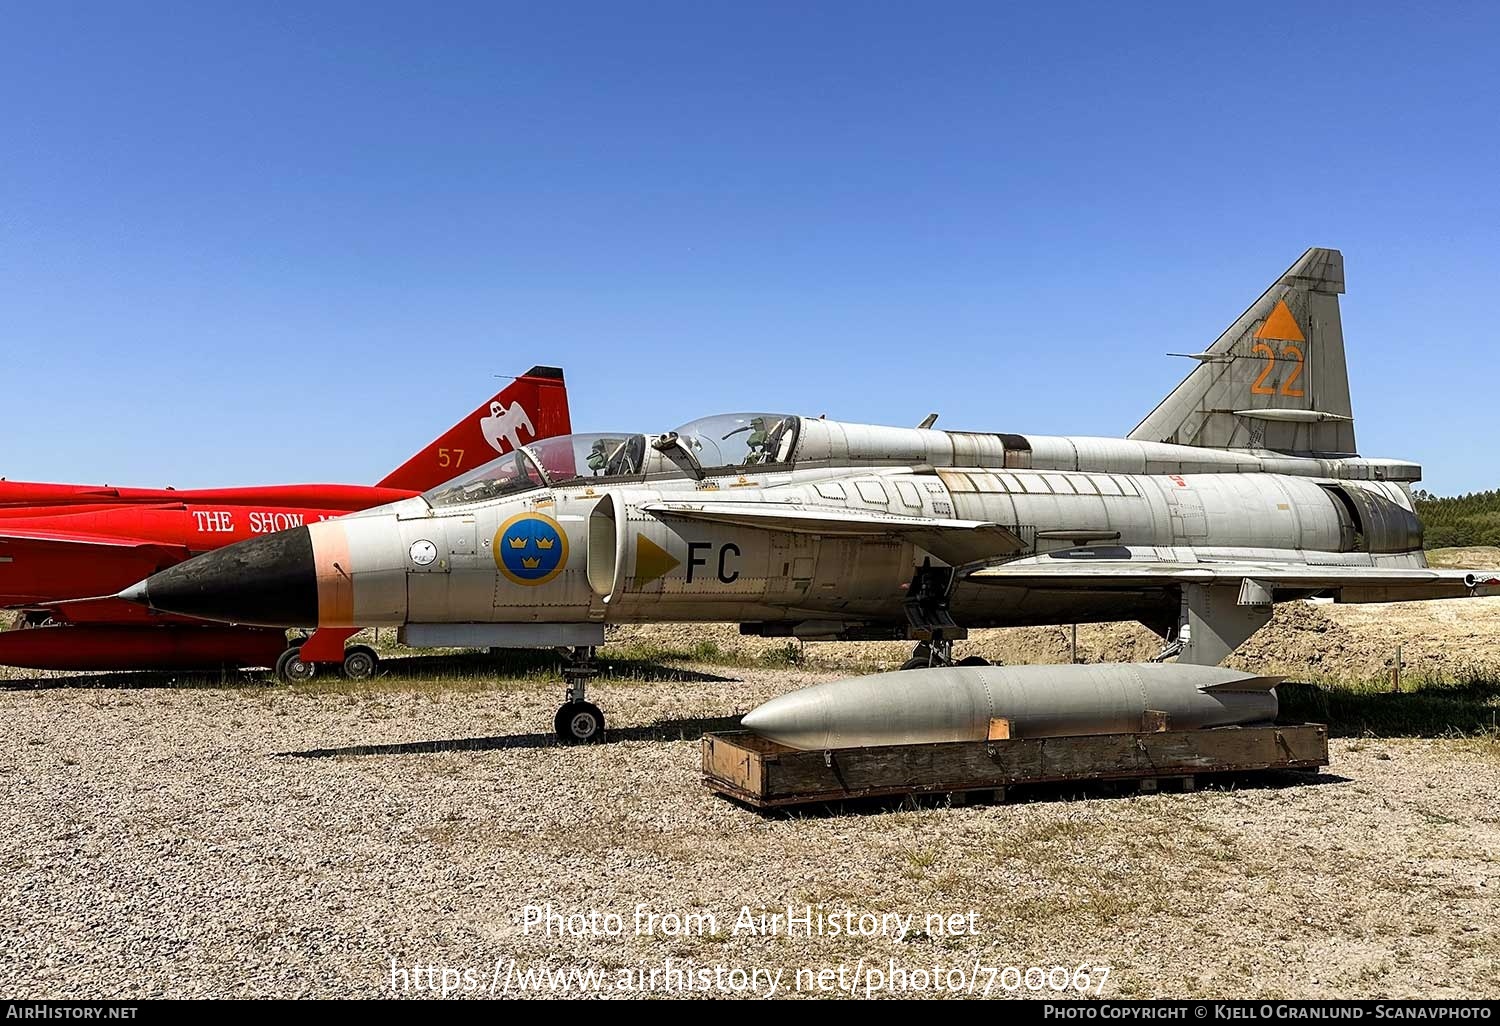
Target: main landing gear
938	653
579	721
930	623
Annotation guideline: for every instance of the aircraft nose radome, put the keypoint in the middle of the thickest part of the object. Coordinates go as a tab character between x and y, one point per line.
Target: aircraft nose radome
269	581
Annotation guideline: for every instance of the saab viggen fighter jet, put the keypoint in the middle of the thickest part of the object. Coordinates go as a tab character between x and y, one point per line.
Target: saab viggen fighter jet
1242	488
62	543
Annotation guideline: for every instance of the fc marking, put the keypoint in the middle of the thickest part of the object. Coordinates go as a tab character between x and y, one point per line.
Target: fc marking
728	549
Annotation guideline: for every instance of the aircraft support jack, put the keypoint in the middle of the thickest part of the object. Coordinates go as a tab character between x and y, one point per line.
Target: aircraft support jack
579	721
360	662
325	647
292	669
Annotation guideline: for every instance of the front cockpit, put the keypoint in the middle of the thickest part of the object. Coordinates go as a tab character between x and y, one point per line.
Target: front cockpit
548	463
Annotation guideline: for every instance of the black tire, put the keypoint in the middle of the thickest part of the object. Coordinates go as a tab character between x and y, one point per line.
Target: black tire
974	661
290	669
579	723
360	663
915	663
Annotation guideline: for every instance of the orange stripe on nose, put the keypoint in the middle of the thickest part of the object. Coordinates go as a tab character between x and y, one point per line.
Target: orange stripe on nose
330	545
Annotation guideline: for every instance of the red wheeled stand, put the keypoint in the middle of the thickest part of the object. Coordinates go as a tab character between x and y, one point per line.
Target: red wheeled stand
325	647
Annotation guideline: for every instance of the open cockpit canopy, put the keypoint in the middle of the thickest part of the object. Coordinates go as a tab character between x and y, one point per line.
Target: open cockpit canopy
740	439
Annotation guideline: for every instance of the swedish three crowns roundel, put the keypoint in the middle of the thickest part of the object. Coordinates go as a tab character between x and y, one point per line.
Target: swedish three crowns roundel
530	548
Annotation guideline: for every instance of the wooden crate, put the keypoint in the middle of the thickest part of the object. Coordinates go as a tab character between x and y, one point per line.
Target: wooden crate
767	775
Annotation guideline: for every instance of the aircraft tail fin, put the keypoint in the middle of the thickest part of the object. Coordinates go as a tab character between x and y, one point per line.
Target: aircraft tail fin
1276	379
533	406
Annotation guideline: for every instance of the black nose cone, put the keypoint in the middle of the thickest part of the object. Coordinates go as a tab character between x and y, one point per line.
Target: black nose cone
270	581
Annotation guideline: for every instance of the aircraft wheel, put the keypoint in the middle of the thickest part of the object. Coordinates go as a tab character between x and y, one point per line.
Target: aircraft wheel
360	663
579	723
290	668
916	663
974	661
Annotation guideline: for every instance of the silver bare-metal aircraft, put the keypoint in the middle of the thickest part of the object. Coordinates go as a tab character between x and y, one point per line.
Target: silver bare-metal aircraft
1242	488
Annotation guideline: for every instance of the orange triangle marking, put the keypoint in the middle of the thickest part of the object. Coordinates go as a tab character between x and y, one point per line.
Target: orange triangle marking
652	561
1281	325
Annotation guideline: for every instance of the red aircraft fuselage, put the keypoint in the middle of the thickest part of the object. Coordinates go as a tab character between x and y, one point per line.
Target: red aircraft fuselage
27	498
66	549
96	551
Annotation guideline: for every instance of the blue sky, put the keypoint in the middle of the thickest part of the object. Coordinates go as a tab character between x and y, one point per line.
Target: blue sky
253	243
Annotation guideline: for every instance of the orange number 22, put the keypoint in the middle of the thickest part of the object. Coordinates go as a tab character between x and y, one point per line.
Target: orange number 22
1288	352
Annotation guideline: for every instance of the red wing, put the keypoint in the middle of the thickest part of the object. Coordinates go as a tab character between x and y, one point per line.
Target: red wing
109	611
48	536
39	566
37	493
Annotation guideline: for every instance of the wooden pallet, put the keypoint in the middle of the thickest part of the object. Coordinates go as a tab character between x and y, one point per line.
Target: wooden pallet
767	775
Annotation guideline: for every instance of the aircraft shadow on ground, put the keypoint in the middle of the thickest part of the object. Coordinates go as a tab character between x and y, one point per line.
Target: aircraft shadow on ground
693	729
663	730
133	680
536	666
429	669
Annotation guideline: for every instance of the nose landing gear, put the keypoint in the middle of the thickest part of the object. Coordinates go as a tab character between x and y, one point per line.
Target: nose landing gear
579	721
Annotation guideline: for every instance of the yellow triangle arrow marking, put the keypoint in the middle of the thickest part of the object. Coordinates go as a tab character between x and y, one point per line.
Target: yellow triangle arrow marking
652	561
1281	325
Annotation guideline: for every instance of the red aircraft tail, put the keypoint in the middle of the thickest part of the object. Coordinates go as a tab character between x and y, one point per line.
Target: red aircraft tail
533	406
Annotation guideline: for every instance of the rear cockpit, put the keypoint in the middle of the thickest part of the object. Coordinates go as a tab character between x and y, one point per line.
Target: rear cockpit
730	443
733	440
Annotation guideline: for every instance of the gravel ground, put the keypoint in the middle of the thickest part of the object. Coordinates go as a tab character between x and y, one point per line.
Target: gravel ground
221	841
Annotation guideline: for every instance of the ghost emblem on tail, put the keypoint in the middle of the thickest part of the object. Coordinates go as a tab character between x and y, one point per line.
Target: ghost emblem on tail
504	425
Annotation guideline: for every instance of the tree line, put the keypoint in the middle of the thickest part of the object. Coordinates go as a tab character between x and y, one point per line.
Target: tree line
1457	520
